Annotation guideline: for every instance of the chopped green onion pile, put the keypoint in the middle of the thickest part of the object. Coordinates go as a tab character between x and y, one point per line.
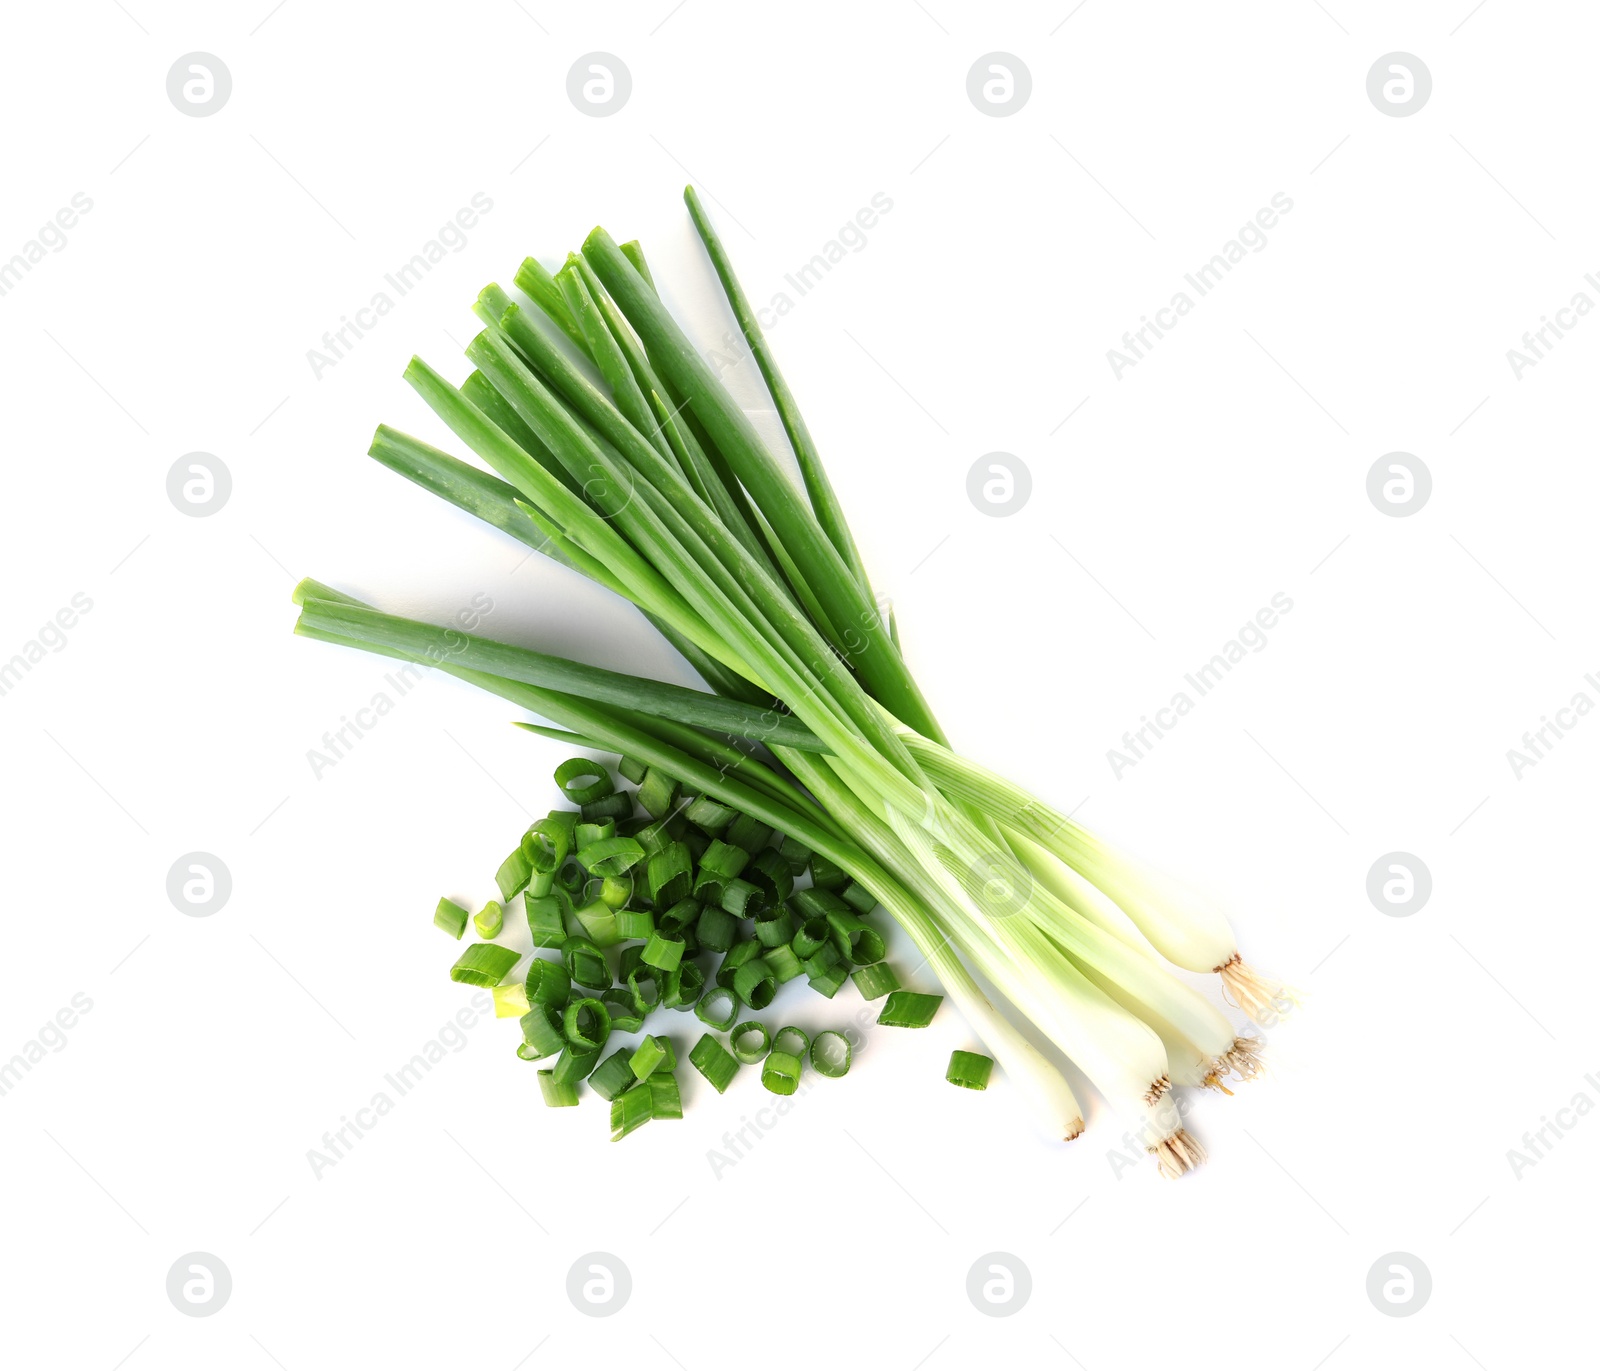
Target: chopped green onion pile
772	812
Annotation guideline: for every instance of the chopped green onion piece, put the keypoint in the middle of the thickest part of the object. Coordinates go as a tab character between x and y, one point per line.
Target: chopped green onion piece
683	915
484	964
653	1054
663	950
813	902
610	856
875	981
490	919
557	1094
783	964
755	984
795	853
750	834
585	834
571	877
824	960
631	770
545	920
857	940
718	1007
622	1004
825	875
665	1100
775	927
827	983
683	986
830	1054
546	845
513	873
792	1040
612	1076
750	1041
770	874
709	816
645	986
635	923
716	929
738	955
614	806
631	960
451	917
541	1032
780	1073
586	1023
599	921
630	1110
658	792
696	842
560	822
585	963
970	1070
909	1009
616	891
724	859
575	1063
670	874
583	781
510	1000
740	898
659	836
859	898
713	1061
813	935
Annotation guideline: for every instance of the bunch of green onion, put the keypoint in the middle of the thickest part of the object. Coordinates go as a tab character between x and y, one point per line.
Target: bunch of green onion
618	453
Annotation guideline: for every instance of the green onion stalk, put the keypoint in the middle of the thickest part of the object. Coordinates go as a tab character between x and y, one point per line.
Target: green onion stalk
612	448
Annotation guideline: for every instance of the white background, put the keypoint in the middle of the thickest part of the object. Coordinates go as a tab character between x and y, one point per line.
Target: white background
1228	465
